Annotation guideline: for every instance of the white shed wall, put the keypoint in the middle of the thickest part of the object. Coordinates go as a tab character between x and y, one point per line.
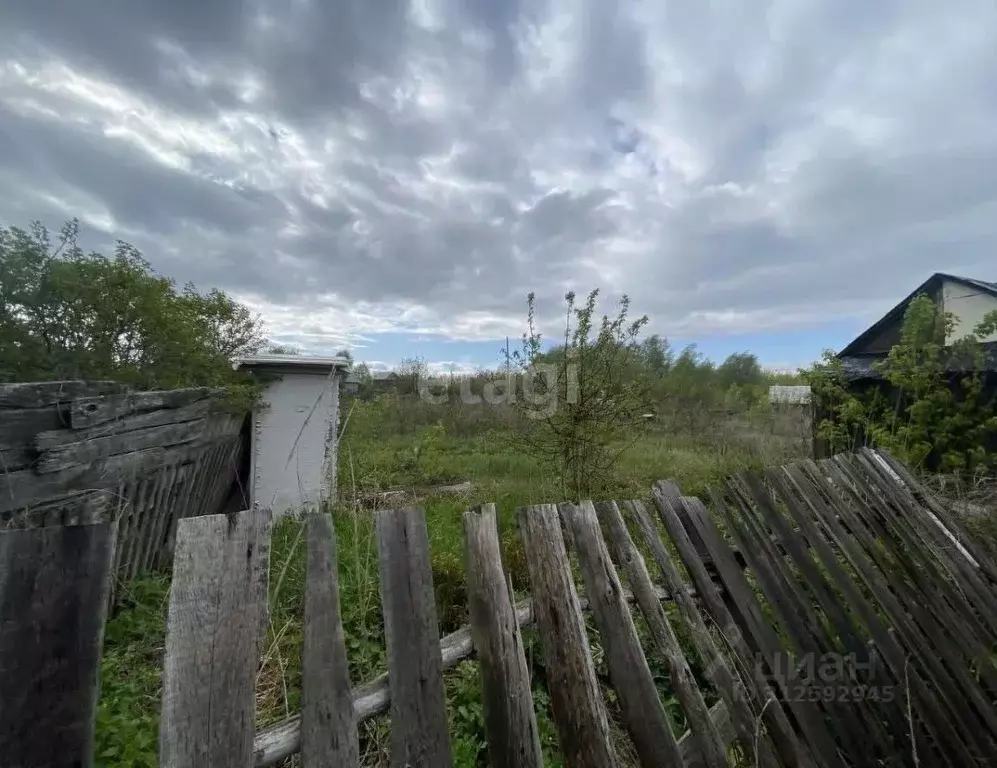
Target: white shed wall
969	305
294	448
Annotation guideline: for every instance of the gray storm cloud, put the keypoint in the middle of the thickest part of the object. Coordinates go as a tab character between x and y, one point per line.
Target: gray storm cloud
375	165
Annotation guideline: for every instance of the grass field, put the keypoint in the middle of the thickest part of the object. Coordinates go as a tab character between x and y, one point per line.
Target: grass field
393	443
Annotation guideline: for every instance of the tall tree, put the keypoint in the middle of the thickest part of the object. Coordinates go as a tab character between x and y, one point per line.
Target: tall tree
65	313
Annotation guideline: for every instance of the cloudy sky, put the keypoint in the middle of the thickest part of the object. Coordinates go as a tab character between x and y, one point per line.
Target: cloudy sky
396	175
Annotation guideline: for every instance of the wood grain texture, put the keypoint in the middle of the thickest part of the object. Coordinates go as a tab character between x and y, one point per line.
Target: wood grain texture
735	629
18	426
419	734
715	662
643	713
89	412
216	618
576	701
54	588
328	725
199	409
94	448
510	722
281	740
42	394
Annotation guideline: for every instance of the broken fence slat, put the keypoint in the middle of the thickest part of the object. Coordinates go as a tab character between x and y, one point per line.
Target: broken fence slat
643	713
54	588
576	700
283	739
510	722
328	726
419	734
713	661
216	618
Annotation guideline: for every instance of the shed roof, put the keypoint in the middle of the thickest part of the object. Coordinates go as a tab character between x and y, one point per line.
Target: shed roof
292	363
930	286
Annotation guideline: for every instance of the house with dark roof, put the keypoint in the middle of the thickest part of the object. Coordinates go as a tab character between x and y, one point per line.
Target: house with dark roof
969	301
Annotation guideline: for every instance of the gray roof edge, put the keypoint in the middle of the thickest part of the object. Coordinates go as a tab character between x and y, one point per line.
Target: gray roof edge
292	362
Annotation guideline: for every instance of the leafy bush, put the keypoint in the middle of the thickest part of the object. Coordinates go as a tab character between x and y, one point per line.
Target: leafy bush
934	411
68	314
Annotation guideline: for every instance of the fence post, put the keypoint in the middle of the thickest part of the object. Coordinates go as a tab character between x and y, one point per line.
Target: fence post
510	722
216	618
419	734
54	588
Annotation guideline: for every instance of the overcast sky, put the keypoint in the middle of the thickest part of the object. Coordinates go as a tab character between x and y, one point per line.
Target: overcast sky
398	175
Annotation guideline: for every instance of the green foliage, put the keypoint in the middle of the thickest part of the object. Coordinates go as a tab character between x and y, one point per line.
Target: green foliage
68	314
934	412
582	397
131	676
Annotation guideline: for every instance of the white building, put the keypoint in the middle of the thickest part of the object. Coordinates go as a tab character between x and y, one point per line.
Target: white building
294	436
789	394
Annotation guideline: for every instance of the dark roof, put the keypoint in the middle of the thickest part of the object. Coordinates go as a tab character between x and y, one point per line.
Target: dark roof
930	287
861	366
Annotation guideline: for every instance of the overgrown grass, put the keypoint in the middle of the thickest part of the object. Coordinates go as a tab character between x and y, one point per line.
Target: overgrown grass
391	445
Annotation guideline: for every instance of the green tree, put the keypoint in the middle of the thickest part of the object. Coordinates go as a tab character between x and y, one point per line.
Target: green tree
740	369
581	404
282	349
67	314
934	412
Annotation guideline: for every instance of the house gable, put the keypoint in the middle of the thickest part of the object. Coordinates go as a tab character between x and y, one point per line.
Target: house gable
969	300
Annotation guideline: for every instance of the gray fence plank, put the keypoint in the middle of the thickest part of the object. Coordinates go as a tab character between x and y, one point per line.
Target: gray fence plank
216	618
576	700
510	722
54	589
714	661
643	713
419	734
328	725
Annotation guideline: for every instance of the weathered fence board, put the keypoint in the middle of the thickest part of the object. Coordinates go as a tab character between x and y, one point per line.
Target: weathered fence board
373	698
419	734
510	722
625	552
328	728
89	412
134	445
841	560
54	588
642	710
216	619
41	394
576	700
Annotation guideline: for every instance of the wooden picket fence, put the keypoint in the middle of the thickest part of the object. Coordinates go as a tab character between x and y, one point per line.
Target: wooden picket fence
848	621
